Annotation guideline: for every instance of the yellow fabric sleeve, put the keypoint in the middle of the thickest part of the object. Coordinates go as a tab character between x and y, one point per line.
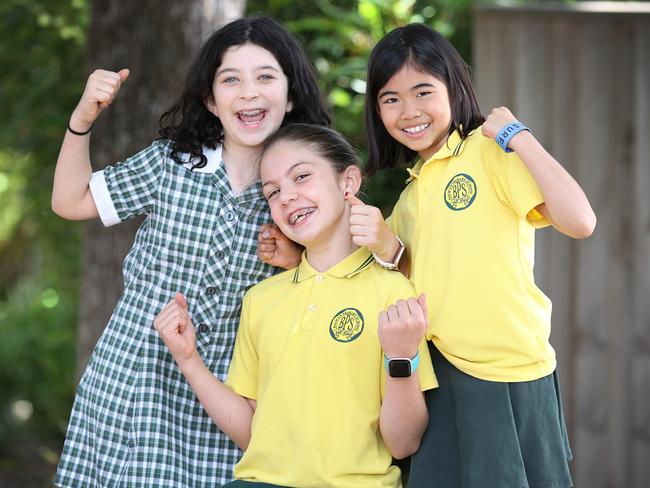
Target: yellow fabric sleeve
244	367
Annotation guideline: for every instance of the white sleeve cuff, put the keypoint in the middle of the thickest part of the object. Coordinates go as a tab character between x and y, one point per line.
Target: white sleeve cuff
103	201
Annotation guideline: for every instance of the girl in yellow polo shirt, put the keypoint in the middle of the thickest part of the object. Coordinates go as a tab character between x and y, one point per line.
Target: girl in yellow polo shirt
467	217
307	396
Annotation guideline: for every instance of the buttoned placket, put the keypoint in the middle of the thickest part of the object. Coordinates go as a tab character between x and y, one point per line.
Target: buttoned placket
227	222
313	304
218	261
232	210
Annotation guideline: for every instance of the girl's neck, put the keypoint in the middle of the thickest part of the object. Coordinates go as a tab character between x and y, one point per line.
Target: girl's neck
241	164
323	256
426	155
333	243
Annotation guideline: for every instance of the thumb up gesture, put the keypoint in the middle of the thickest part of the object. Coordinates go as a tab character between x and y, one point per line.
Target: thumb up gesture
101	89
369	229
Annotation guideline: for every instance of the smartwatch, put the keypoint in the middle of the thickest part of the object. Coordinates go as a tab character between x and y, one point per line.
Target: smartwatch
394	264
401	367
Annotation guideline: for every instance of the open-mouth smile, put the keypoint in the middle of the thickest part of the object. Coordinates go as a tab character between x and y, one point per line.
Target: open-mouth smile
417	129
301	214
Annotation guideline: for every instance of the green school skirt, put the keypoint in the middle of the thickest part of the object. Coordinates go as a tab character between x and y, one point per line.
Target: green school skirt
491	434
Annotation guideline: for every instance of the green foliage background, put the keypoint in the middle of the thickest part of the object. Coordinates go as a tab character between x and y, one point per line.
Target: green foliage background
42	60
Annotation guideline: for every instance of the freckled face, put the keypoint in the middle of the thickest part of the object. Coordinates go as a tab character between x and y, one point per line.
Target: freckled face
415	110
304	193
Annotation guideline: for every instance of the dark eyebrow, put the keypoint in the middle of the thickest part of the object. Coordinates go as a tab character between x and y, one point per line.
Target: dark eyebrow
413	88
387	92
234	70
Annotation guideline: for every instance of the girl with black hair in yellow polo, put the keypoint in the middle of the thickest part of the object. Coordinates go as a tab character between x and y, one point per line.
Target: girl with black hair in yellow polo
326	380
477	191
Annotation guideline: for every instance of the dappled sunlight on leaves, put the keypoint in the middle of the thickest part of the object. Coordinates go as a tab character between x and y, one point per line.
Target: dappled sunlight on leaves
43	71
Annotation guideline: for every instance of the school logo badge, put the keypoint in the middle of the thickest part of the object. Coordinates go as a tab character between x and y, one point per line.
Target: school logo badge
460	192
346	325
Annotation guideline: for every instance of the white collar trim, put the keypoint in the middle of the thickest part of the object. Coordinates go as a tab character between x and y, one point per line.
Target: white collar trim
214	160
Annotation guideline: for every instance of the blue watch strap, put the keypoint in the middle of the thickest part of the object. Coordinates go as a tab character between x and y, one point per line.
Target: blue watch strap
415	362
508	132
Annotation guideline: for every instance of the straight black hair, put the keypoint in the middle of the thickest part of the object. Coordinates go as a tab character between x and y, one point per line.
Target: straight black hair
190	125
426	50
327	142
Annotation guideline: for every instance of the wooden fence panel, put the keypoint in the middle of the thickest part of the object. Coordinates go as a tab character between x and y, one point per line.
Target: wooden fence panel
580	78
640	263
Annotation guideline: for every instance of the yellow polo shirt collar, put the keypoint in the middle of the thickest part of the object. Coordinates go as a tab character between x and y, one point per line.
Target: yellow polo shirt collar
353	264
453	147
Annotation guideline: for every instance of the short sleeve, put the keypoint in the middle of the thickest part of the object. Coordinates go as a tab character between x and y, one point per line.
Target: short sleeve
513	183
536	219
403	220
243	370
129	188
393	221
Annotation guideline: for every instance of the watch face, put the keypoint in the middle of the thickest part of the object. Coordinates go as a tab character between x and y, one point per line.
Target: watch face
399	368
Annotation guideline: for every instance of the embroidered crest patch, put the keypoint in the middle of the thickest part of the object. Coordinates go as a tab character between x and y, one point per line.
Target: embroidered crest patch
460	192
346	325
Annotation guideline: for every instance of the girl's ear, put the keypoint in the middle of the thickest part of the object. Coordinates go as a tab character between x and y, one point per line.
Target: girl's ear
211	106
351	179
289	106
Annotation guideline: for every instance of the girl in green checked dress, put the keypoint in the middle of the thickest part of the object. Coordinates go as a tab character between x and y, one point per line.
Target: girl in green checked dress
135	420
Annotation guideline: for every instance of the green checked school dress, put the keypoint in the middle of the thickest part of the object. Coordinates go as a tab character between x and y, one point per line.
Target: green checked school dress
135	421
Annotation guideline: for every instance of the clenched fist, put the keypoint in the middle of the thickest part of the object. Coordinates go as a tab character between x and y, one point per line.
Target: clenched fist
402	327
175	327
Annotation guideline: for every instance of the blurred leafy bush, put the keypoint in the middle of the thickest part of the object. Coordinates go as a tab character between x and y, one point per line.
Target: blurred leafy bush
42	64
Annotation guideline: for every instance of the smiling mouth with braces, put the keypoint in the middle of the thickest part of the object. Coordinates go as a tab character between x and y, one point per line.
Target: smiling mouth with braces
300	215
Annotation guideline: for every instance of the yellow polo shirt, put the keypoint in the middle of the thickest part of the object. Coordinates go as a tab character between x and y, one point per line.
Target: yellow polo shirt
467	216
307	350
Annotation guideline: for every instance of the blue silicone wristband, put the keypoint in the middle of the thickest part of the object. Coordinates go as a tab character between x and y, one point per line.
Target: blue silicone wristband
508	132
415	362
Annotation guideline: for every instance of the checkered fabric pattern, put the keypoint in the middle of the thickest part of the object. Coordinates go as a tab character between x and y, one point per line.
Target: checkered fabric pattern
135	420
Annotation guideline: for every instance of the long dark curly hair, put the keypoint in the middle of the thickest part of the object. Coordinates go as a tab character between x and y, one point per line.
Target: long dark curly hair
188	123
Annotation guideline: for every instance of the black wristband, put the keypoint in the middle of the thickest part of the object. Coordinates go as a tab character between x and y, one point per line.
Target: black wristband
77	133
